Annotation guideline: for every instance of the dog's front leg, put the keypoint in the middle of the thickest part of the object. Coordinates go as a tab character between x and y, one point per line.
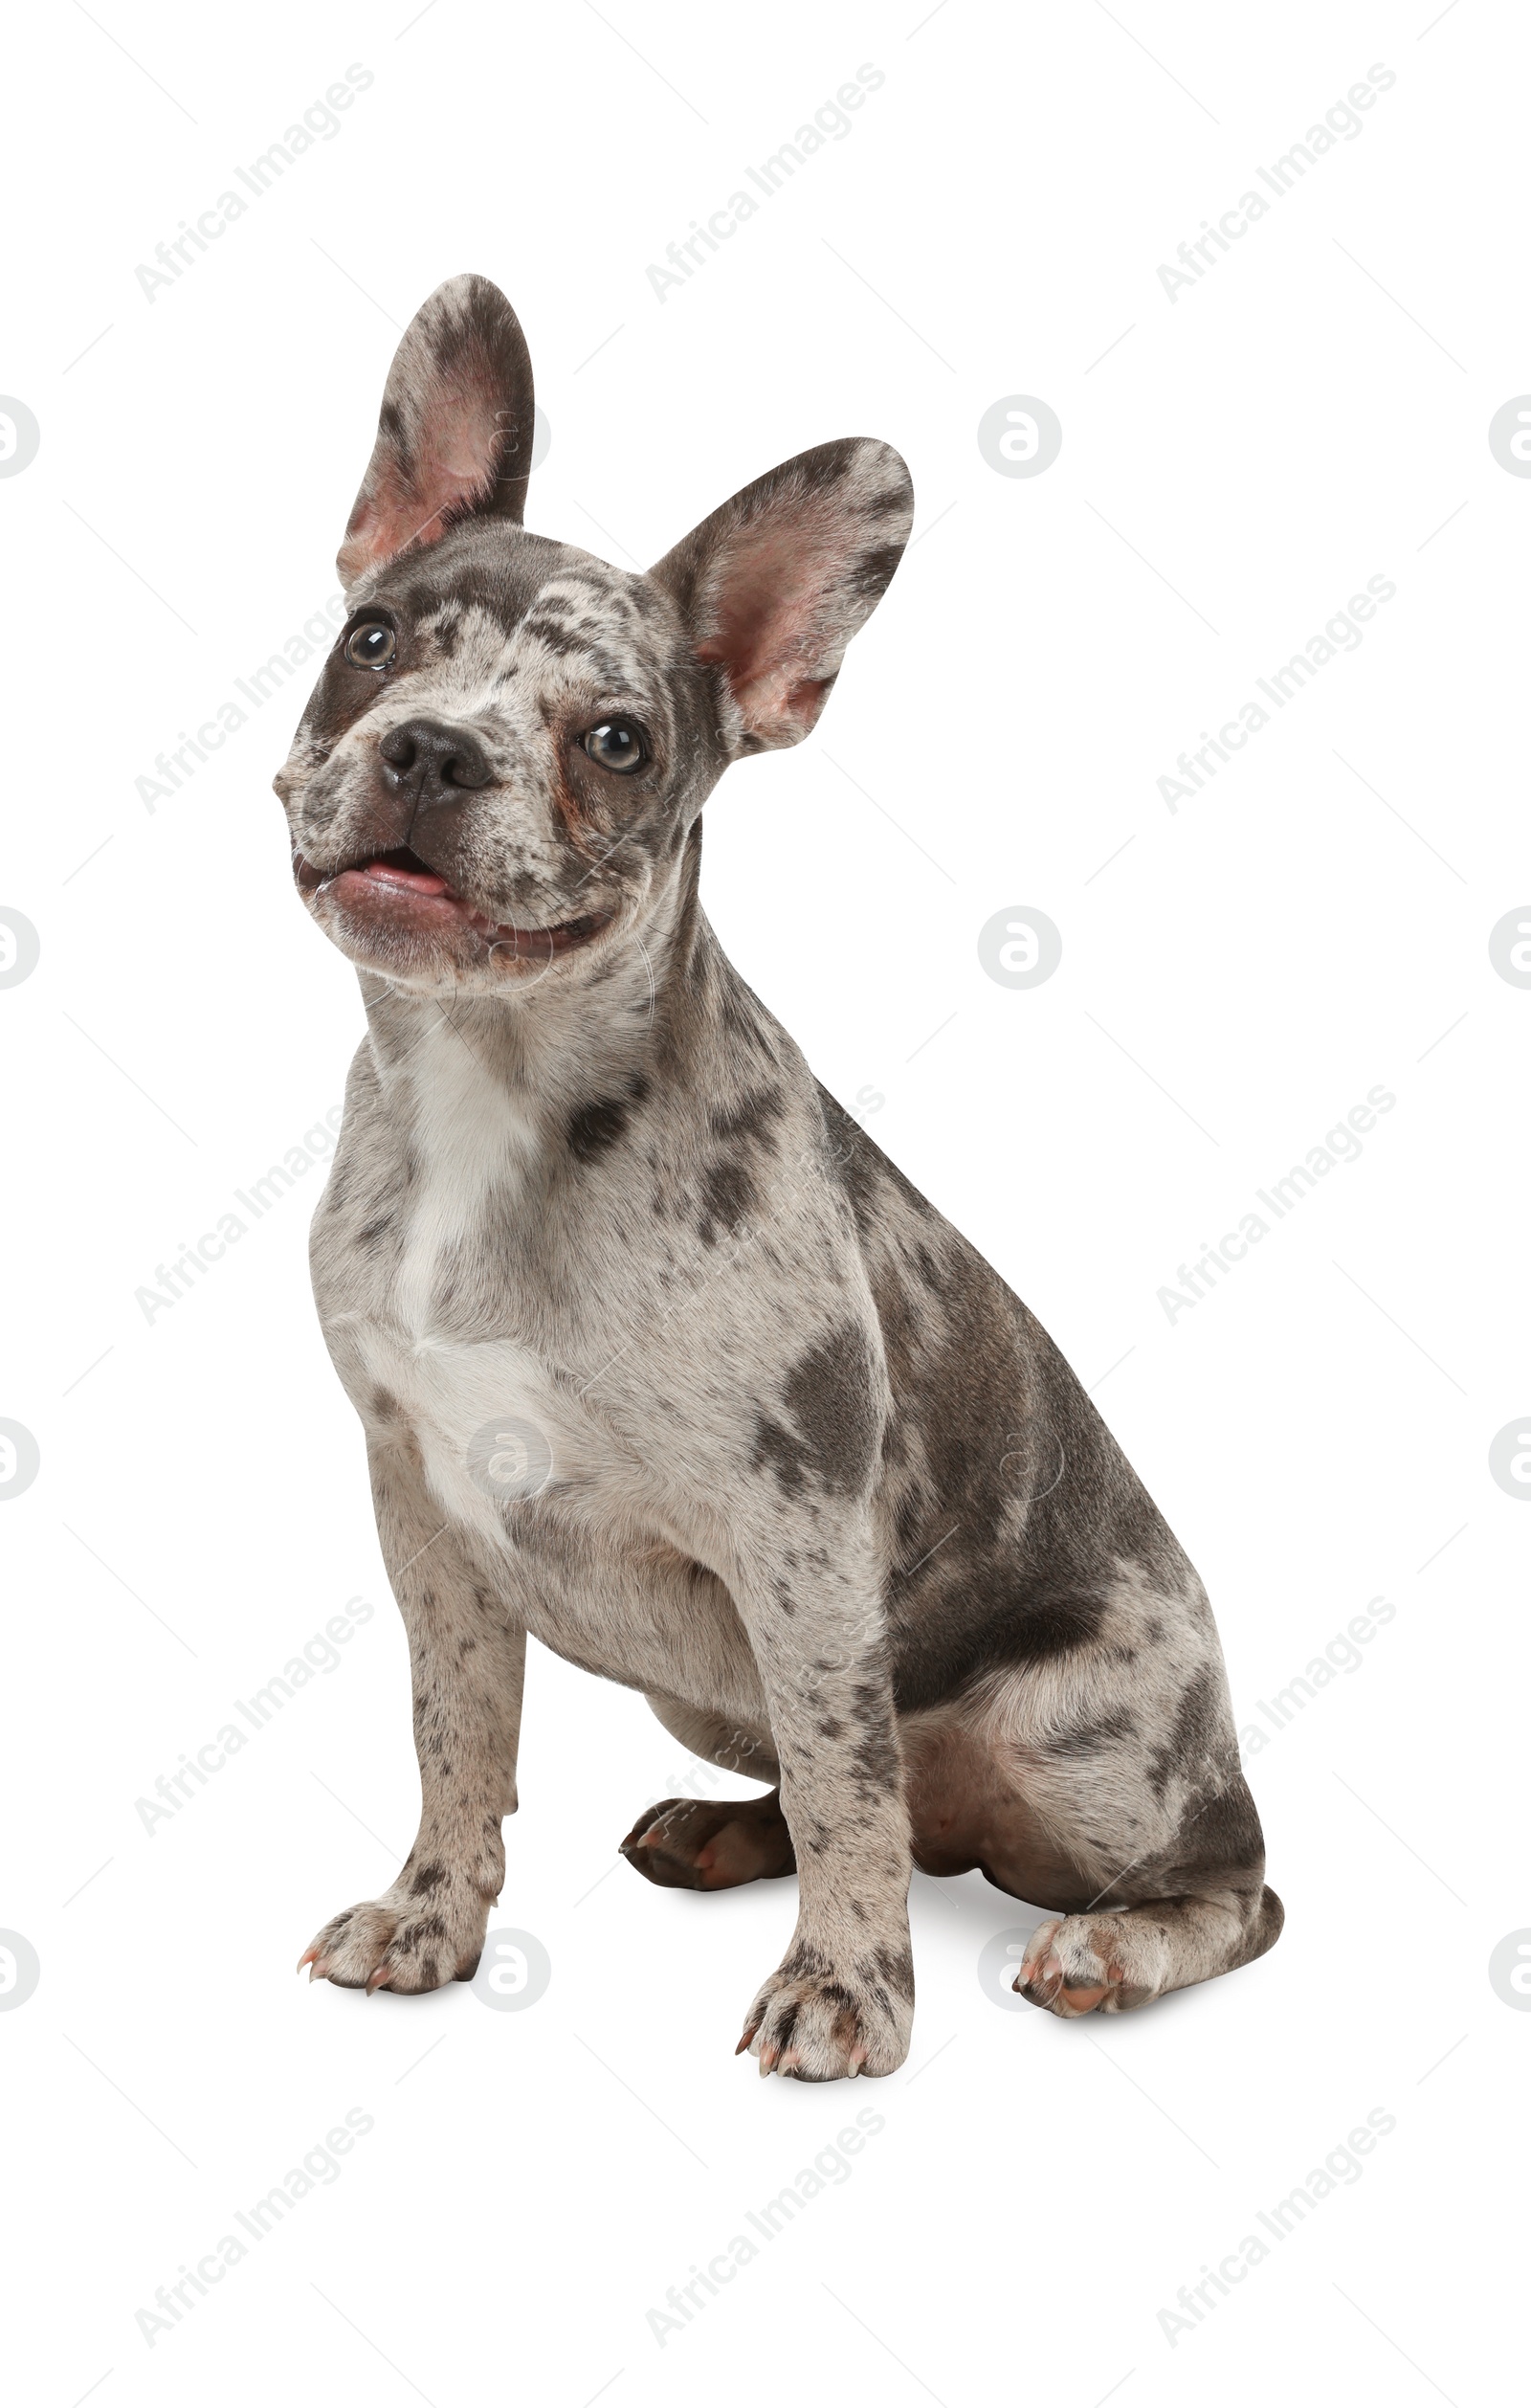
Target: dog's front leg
467	1659
842	1999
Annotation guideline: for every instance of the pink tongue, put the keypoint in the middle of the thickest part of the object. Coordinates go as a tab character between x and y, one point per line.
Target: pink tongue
419	881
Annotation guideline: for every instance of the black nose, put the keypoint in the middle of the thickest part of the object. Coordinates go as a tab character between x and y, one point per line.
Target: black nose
432	757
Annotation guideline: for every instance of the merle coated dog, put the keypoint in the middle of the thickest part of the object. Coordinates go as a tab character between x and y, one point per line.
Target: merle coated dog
658	1355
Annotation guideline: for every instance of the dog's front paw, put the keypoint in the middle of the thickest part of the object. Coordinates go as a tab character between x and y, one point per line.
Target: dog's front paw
819	2018
400	1943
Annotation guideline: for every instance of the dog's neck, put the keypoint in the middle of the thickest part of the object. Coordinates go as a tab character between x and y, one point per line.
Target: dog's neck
557	1048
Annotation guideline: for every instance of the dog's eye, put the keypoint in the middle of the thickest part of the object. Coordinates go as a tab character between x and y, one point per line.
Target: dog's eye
617	745
372	645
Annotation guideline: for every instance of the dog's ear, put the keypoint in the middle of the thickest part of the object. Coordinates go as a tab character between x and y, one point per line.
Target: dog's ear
455	432
774	585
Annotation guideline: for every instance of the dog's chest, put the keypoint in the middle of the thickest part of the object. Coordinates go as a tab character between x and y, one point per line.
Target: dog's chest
449	1339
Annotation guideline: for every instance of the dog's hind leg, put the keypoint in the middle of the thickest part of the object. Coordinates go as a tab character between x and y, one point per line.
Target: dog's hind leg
1103	1784
1170	1886
1169	1881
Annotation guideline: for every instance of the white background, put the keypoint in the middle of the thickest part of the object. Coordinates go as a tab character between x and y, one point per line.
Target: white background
1236	462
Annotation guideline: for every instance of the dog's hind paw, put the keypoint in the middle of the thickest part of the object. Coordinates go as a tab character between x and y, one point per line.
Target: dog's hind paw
700	1844
1074	1964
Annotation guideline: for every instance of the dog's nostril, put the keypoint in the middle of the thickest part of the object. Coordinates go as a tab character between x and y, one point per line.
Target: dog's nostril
397	748
441	754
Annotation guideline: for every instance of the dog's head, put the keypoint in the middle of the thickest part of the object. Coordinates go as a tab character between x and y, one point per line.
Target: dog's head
494	779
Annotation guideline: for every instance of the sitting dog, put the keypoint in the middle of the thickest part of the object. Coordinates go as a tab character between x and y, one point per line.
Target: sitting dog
658	1355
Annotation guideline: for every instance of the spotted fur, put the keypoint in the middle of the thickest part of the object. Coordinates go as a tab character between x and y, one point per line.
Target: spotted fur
818	1484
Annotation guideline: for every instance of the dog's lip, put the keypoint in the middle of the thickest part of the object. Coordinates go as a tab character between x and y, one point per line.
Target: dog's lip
405	869
428	897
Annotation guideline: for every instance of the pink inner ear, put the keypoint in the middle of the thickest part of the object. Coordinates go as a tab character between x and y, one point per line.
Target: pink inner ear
774	619
455	463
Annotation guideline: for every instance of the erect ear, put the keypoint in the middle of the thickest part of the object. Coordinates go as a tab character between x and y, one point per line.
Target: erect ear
455	432
774	585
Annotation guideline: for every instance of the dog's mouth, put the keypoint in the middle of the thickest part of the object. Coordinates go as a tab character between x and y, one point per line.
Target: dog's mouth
399	891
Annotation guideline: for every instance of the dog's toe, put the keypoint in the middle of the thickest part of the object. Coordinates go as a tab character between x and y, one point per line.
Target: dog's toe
1074	1964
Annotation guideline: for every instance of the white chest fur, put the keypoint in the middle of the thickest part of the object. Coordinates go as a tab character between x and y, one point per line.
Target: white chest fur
492	1419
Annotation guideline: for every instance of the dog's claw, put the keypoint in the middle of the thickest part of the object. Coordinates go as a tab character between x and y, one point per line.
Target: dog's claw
1042	1980
309	1957
377	1979
745	2036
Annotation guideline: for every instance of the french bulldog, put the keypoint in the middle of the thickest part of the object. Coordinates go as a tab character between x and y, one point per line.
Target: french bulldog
658	1355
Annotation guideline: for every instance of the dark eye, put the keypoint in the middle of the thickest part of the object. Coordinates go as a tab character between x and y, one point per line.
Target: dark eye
617	745
370	646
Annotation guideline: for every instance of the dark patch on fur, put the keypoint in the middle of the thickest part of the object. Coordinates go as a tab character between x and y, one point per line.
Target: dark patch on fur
728	1195
875	1758
742	1017
729	1184
596	1127
830	1435
786	2023
897	1966
1197	1736
803	1962
753	1118
1083	1738
1218	1834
